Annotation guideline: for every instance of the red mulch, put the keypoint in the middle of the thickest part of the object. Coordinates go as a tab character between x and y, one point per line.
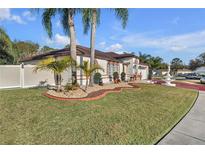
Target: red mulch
190	86
183	85
94	95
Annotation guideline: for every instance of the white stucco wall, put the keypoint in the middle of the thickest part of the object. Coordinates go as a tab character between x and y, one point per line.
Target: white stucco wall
103	63
144	71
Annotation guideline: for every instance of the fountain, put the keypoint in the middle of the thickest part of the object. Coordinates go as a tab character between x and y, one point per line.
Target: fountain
168	79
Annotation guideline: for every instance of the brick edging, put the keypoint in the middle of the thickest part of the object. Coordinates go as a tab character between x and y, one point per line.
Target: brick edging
89	97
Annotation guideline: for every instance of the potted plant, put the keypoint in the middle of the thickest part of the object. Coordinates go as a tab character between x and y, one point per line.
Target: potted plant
98	78
123	76
116	77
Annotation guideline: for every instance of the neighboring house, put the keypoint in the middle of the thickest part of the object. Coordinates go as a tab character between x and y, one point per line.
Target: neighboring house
111	62
184	71
163	72
159	72
200	70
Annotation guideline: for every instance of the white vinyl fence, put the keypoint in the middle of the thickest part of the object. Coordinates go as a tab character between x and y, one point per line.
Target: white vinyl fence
22	76
13	76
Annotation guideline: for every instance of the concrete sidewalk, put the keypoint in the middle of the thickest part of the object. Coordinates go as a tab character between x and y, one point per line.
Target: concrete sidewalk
191	129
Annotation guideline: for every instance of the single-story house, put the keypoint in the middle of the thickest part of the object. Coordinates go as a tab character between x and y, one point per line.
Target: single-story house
184	71
110	61
163	72
200	70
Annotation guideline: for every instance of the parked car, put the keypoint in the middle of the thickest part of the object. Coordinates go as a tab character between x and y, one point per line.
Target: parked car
181	75
193	76
202	80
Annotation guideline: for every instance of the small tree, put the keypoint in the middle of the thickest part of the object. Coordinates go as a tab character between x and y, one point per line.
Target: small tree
55	66
176	64
87	70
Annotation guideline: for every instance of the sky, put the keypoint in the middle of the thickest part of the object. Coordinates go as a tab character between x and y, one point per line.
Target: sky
167	33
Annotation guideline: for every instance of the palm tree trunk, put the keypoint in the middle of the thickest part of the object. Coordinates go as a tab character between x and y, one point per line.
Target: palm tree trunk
73	49
86	85
58	82
92	42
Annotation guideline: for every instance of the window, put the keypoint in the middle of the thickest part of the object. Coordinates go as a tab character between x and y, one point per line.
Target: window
111	68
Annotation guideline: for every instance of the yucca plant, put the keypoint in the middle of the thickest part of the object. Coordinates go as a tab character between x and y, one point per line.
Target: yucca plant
55	66
88	70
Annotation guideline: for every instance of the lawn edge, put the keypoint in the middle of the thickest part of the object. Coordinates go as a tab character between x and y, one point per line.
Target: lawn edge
97	95
155	142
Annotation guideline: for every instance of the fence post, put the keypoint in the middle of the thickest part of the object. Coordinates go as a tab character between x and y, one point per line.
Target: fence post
22	75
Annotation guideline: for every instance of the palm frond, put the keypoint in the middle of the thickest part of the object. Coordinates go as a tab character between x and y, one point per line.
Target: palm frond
86	19
87	15
98	16
64	20
96	67
53	65
87	70
47	16
122	14
64	15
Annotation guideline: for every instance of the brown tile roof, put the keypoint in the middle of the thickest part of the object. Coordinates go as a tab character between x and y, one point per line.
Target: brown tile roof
98	54
141	63
118	56
81	50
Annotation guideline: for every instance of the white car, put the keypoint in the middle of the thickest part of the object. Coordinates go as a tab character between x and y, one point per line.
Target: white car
202	80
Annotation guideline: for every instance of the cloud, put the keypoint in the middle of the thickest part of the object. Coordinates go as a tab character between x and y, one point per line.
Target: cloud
5	14
58	41
114	47
176	43
29	16
102	44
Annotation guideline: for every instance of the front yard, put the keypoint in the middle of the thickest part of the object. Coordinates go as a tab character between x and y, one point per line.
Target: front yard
139	116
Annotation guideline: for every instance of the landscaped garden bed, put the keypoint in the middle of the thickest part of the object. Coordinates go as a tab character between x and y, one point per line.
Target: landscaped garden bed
80	92
129	117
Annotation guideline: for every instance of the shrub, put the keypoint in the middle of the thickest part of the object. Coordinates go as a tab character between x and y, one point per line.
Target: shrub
97	78
69	87
115	76
123	76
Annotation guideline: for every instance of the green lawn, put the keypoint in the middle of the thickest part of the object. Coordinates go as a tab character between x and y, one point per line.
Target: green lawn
130	117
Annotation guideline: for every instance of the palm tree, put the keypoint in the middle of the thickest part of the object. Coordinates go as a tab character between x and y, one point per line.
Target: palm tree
67	21
55	66
6	56
5	40
144	57
154	63
91	17
88	70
